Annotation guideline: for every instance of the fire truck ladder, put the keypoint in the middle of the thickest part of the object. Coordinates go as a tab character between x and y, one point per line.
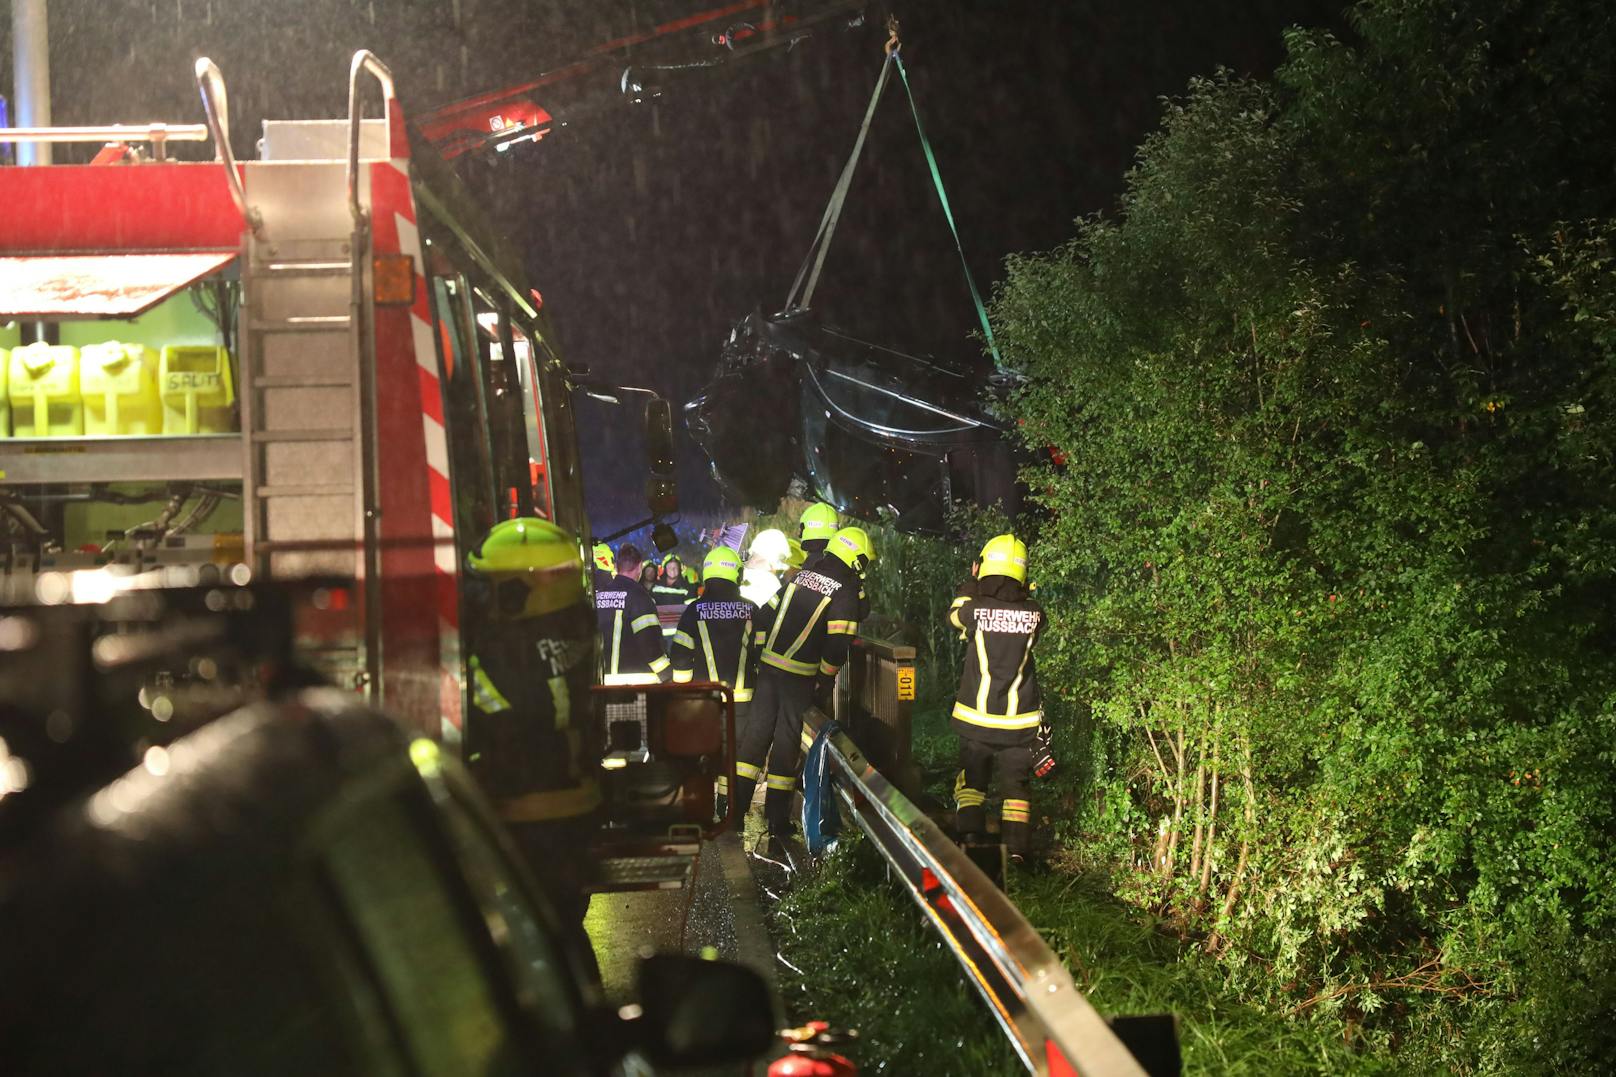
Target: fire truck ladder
306	393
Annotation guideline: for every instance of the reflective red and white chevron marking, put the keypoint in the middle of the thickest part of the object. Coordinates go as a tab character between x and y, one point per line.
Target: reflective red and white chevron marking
419	513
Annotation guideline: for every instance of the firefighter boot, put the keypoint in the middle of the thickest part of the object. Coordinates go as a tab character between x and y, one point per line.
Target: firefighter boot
746	779
777	803
1013	825
970	813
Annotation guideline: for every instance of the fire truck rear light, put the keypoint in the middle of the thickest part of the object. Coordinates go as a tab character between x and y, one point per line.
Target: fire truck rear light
394	275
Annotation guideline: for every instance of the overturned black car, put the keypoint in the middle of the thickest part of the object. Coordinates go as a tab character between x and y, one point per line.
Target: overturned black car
862	426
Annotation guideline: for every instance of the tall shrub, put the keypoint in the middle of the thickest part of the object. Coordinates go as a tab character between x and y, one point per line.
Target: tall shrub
1330	552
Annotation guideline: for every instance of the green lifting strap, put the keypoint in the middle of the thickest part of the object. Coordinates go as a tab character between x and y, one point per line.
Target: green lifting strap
833	209
942	196
814	262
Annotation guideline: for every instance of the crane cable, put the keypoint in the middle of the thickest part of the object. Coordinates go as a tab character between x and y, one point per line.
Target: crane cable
833	210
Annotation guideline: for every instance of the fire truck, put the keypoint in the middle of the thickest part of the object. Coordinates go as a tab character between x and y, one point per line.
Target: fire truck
320	364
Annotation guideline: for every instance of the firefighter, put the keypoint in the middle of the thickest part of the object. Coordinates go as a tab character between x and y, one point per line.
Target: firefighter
770	555
605	564
804	633
818	523
626	618
672	587
714	639
997	711
648	574
529	739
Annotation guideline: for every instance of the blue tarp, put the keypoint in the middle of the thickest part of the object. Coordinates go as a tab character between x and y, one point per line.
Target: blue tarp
821	823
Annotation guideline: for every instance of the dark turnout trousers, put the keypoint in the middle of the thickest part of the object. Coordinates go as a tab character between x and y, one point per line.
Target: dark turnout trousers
977	761
772	732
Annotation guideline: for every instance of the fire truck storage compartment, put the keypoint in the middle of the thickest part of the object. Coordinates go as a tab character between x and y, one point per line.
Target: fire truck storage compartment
190	371
117	438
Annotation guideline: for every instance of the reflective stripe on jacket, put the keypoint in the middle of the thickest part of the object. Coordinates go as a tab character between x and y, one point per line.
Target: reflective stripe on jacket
630	634
714	640
998	700
807	628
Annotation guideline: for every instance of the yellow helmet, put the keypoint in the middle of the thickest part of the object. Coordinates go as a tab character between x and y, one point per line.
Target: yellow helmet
1004	555
819	521
852	547
533	565
721	563
603	558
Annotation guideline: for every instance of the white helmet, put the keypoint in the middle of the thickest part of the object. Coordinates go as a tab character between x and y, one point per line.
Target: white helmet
770	550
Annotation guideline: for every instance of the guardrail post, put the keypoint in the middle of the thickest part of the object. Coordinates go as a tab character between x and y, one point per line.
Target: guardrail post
879	705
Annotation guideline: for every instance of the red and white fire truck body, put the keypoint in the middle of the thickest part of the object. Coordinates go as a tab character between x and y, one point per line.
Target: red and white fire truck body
394	389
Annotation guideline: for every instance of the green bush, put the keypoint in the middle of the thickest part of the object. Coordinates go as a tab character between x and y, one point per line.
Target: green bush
1328	564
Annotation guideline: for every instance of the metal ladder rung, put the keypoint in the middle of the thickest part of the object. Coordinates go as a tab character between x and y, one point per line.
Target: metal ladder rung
331	545
312	323
311	489
293	381
307	269
341	434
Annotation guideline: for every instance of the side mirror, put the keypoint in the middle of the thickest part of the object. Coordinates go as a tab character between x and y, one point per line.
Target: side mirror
659	437
702	1013
661	492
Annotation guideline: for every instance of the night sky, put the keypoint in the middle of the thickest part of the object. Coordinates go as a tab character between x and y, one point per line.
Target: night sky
650	229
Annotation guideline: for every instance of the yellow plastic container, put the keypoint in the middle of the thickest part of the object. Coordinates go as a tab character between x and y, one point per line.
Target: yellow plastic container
45	399
5	393
119	383
197	390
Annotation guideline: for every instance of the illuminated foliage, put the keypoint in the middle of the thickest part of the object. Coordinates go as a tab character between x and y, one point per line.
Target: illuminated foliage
1330	558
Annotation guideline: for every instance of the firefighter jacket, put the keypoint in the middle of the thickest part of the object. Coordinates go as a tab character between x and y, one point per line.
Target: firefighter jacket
714	640
813	548
998	701
807	628
672	594
630	634
530	739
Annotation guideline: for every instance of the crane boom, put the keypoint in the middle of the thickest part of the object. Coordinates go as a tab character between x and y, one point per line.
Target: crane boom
608	75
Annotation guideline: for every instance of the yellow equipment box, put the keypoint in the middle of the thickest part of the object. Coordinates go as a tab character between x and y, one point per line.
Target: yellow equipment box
119	383
45	398
5	394
197	390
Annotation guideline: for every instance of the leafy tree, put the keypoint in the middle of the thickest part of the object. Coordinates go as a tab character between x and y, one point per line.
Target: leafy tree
1330	555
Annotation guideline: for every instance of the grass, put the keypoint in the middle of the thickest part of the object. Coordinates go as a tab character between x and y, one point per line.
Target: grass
1125	966
859	956
866	961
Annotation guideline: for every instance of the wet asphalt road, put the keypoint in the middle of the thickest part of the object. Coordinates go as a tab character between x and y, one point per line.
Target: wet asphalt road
724	913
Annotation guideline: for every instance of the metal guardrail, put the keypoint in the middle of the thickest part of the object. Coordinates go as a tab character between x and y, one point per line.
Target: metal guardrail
1050	1024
